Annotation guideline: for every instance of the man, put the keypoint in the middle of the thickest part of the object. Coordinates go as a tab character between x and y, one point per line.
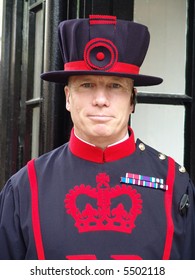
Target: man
100	196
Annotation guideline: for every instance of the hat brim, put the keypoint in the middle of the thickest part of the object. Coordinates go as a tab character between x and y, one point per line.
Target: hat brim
62	77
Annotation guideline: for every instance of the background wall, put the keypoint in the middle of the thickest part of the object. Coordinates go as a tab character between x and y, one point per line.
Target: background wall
162	126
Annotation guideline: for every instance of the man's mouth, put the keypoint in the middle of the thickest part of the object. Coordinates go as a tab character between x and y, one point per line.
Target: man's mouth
100	118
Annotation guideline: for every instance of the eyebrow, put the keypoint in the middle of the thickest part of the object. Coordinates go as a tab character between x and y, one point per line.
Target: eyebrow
90	79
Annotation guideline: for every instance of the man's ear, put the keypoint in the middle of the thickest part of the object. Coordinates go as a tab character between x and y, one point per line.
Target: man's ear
134	99
67	95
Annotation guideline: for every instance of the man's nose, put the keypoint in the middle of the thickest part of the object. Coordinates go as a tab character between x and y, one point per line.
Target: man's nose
101	97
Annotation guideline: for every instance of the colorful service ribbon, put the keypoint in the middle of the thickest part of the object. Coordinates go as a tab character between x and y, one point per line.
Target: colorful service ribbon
144	181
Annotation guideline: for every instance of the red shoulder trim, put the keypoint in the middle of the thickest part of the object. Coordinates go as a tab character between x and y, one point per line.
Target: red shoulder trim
35	209
168	208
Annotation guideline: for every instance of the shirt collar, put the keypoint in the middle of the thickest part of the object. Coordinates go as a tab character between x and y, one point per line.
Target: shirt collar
89	152
124	138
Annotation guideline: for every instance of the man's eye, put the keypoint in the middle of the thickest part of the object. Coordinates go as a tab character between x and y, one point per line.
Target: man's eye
87	85
115	85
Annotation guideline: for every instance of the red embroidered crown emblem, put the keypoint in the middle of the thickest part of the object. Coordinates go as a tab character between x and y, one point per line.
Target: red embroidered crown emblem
104	216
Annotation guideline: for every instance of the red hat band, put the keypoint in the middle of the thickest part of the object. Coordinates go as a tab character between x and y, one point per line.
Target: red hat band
119	67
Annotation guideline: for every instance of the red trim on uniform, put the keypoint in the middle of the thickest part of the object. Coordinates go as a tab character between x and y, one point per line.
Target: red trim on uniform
102	19
93	257
95	154
81	257
35	209
126	257
118	67
168	208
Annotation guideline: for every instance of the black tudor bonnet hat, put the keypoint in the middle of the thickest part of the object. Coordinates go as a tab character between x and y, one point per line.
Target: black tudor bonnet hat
102	45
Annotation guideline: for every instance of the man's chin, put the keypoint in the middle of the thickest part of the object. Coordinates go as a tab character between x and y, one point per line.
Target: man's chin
102	130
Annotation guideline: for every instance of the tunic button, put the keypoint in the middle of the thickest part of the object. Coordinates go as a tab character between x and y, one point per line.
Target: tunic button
182	169
142	147
162	156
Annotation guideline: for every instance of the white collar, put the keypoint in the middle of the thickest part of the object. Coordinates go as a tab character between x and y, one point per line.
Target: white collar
120	141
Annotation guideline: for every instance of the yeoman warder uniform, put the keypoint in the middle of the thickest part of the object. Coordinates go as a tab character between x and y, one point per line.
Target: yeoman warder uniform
80	202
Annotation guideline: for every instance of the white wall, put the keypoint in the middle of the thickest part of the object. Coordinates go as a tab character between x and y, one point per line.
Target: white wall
166	56
162	126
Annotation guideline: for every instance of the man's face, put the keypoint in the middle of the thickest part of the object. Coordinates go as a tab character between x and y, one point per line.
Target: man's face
100	107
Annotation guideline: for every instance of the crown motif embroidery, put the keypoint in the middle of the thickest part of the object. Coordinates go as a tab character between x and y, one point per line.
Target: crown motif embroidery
104	217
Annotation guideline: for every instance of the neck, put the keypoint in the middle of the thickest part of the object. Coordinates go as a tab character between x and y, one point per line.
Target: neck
101	143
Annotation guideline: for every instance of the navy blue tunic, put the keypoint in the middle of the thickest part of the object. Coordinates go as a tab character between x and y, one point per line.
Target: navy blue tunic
86	211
